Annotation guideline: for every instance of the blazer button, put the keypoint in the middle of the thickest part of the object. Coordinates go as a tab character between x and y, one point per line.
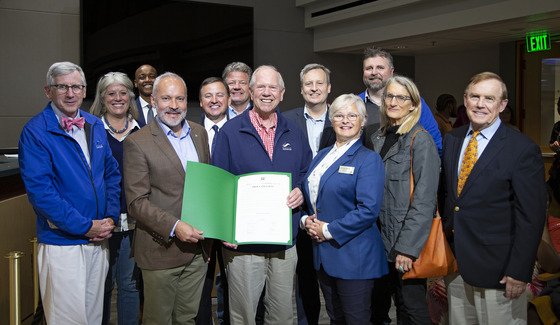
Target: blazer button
456	208
318	210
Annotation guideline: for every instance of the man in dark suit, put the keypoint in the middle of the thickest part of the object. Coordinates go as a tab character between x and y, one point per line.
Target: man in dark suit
494	210
144	81
168	250
313	119
214	98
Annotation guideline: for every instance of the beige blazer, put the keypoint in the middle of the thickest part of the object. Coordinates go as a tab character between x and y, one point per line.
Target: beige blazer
154	180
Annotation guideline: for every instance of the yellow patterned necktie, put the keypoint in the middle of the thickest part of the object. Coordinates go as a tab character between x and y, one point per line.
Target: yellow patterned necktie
469	159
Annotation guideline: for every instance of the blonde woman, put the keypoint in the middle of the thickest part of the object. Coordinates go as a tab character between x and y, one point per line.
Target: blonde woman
404	222
114	103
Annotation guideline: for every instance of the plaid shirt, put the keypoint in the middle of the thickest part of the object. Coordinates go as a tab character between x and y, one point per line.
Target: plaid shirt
266	134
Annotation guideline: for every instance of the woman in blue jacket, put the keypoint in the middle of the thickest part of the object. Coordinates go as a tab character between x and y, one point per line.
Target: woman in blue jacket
344	190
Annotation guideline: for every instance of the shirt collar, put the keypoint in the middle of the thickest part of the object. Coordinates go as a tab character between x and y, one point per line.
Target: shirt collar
308	116
134	123
233	112
258	122
185	130
489	131
143	103
208	123
59	114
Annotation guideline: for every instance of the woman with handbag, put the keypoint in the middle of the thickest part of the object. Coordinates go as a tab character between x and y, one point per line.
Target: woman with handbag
343	190
406	217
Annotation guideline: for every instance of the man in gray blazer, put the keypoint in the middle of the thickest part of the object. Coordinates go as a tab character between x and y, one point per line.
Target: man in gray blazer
168	250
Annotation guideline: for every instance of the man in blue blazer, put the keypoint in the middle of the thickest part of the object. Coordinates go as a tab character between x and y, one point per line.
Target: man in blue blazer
494	219
144	78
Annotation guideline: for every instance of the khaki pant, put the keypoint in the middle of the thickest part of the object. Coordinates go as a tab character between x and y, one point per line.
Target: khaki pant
247	274
172	296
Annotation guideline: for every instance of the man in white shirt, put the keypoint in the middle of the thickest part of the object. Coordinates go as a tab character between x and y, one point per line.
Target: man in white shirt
214	98
144	80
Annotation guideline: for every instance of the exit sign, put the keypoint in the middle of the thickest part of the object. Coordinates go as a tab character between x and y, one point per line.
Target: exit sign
538	42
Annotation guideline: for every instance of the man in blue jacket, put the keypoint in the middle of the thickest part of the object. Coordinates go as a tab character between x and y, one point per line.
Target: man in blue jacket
72	181
378	68
262	140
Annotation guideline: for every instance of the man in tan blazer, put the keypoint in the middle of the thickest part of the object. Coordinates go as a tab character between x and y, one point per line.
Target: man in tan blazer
169	251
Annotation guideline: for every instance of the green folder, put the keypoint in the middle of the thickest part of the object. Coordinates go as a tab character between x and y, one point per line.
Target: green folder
243	209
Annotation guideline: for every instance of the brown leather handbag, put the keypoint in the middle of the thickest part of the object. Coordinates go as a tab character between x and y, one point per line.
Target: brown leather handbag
436	257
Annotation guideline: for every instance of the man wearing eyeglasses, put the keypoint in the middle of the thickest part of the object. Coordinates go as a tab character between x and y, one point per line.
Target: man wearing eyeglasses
72	182
377	69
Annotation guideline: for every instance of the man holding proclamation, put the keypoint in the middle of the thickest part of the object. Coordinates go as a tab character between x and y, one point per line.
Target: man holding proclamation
262	140
168	250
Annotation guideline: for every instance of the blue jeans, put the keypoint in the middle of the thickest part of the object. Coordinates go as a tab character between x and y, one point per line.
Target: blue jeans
123	270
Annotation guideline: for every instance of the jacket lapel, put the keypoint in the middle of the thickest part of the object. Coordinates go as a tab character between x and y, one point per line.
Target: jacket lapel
345	158
457	146
165	146
493	148
199	146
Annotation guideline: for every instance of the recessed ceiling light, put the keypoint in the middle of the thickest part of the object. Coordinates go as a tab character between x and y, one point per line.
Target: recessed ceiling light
400	47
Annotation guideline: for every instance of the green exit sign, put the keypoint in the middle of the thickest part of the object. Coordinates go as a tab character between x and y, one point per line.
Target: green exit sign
538	42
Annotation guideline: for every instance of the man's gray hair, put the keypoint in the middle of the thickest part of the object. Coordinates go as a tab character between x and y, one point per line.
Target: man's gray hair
313	66
280	80
166	75
62	69
236	66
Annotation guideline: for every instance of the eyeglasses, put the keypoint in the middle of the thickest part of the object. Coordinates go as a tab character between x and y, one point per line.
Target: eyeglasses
62	89
351	117
400	98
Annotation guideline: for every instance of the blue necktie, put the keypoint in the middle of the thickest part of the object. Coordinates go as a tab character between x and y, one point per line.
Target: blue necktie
215	128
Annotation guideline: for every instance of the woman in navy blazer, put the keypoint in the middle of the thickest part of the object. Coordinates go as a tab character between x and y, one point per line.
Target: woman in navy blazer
344	192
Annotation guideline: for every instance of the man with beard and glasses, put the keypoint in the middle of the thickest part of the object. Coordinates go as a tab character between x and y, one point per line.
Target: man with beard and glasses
169	251
378	68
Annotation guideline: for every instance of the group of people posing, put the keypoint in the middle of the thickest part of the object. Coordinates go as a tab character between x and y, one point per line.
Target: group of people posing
107	188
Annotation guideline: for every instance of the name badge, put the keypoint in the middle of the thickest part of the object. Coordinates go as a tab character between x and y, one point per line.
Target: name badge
346	170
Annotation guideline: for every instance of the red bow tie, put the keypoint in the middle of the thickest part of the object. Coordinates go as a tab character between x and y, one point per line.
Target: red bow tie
67	122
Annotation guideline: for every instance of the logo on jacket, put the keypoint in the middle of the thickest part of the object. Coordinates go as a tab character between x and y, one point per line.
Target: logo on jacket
98	145
287	146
